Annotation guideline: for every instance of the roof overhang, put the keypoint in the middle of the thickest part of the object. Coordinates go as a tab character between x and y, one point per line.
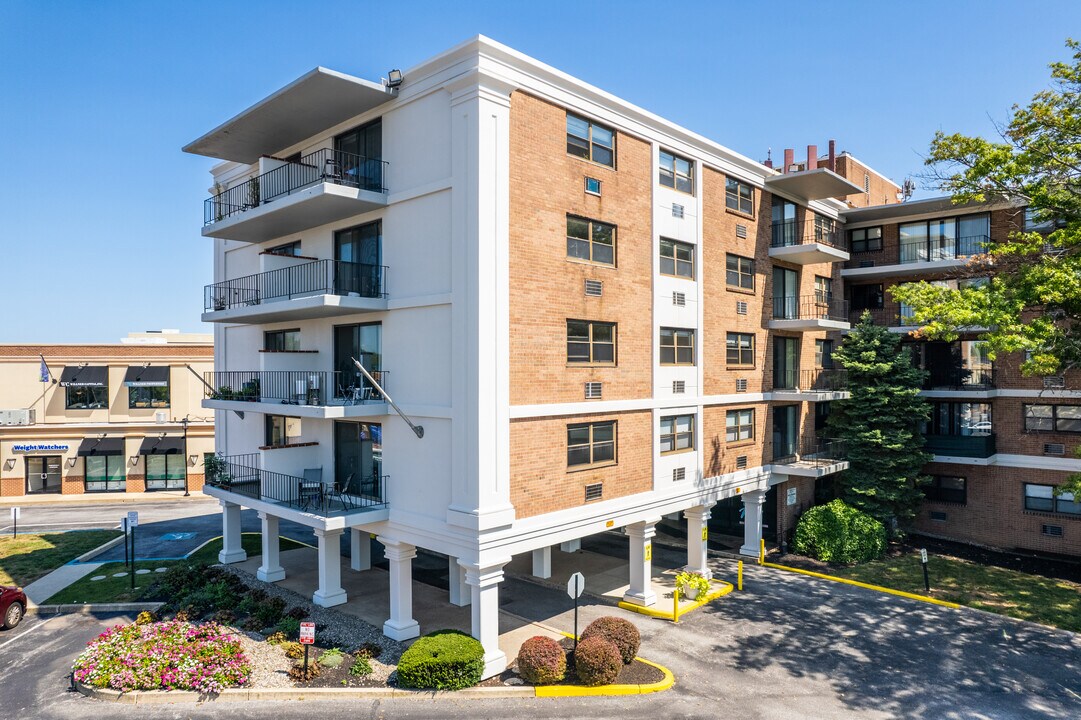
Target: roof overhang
817	184
305	107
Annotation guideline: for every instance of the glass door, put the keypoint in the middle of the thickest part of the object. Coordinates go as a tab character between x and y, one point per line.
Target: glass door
358	459
360	155
43	474
359	252
362	342
785	294
784	223
785	431
785	363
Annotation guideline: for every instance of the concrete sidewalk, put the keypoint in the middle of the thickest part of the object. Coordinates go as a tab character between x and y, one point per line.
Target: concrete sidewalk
101	498
44	588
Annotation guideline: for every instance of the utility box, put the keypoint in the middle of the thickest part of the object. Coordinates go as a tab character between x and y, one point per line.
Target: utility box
18	417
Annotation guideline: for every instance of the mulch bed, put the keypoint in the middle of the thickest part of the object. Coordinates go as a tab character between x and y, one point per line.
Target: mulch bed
338	677
637	673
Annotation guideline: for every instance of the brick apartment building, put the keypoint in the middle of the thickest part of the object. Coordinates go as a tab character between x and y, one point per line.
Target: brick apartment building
599	319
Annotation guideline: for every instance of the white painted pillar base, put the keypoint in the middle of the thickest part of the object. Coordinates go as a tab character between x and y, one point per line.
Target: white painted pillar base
752	522
571	545
484	587
330	592
459	589
542	562
401	625
698	540
271	570
640	535
232	551
360	550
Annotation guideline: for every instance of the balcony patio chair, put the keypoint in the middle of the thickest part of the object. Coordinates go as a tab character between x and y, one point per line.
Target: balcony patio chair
332	170
311	490
338	491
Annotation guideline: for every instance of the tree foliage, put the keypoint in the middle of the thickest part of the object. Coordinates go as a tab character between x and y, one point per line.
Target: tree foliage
880	421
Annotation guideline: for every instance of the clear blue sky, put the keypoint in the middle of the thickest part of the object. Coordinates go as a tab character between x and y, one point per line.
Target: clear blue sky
102	211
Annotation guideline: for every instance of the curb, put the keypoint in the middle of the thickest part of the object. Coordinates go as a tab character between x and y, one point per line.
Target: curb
99	549
91	608
602	690
81	499
669	615
867	586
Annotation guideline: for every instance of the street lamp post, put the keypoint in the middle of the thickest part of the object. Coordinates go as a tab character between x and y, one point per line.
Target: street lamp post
184	422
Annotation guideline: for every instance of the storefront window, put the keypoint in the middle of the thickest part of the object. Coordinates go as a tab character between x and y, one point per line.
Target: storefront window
105	473
165	472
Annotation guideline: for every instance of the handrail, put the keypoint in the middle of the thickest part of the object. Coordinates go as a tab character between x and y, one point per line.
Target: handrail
788	233
816	452
820	306
316	277
319	388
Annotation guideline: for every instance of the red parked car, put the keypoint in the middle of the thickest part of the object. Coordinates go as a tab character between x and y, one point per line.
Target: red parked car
12	606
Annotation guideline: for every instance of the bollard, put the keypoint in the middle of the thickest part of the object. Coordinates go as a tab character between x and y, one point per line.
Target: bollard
675	606
761	552
739	576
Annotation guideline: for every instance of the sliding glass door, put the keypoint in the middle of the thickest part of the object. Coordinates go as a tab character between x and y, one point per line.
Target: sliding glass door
358	459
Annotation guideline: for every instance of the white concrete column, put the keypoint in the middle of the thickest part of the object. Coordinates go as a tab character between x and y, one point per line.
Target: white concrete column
641	535
232	550
271	570
752	522
401	625
484	585
697	540
360	550
542	562
459	589
330	592
571	545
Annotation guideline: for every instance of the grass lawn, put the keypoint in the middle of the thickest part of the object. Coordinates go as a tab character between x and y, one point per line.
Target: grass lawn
113	589
25	558
1007	592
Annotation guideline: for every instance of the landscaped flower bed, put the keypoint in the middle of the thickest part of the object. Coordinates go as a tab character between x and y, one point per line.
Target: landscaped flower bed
172	655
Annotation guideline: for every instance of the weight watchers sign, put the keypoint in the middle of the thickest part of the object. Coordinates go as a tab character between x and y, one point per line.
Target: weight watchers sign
38	447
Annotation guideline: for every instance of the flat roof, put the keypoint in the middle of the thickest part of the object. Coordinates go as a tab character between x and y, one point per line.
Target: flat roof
942	204
814	184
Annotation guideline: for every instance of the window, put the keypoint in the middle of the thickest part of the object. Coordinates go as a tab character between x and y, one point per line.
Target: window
867	297
823	289
280	430
739	272
961	418
593	186
165	472
739	348
739	425
591	342
148	397
677	434
825	229
105	473
1053	418
677	346
1041	498
677	172
824	354
677	259
591	444
288	249
822	414
281	340
947	489
591	241
1032	224
944	239
866	240
86	397
738	196
590	141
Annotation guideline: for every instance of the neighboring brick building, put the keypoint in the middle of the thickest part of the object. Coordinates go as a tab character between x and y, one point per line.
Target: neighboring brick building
104	418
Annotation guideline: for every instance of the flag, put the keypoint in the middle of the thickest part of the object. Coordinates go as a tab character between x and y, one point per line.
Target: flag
44	371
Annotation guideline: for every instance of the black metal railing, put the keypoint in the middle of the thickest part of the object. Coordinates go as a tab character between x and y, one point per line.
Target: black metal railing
948	249
320	388
317	277
823	380
974	446
326	165
242	475
955	378
811	452
820	306
788	233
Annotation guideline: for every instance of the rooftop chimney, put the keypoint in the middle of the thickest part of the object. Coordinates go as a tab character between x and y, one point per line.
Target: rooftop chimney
812	157
832	165
789	158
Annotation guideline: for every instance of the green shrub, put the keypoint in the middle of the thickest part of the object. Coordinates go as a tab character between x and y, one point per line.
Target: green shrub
276	639
288	626
621	633
597	661
293	650
269	613
837	532
361	667
297	671
443	660
542	661
332	658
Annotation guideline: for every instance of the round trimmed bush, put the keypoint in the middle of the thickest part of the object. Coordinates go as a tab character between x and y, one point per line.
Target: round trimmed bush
837	532
597	661
621	633
443	660
542	661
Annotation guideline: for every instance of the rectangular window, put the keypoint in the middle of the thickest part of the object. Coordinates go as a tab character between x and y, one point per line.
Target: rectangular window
677	434
677	346
739	349
1053	418
1042	498
591	444
947	489
961	418
86	398
148	397
275	435
824	354
288	249
739	272
866	239
677	172
739	425
825	229
165	472
105	473
591	241
590	342
823	289
281	340
677	259
738	196
586	139
867	297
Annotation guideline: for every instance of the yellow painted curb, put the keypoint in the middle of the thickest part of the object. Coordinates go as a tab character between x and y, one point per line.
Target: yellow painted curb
726	587
598	690
867	586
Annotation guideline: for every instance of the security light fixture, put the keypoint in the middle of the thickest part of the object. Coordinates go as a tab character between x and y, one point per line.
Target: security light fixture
9	463
394	78
192	459
71	462
134	459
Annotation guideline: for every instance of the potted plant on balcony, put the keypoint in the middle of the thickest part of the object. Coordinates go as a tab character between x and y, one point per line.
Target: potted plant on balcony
691	584
215	469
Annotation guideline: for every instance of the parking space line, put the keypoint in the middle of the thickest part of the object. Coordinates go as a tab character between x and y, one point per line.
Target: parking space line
20	637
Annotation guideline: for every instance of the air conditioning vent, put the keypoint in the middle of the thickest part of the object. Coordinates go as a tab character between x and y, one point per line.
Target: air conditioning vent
939	516
679	474
1054	449
741	307
741	385
1054	381
679	387
593	390
679	299
1051	530
867	263
594	492
677	210
22	416
161	417
594	288
741	462
741	230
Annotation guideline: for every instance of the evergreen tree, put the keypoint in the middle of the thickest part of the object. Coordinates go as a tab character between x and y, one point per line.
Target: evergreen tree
880	422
